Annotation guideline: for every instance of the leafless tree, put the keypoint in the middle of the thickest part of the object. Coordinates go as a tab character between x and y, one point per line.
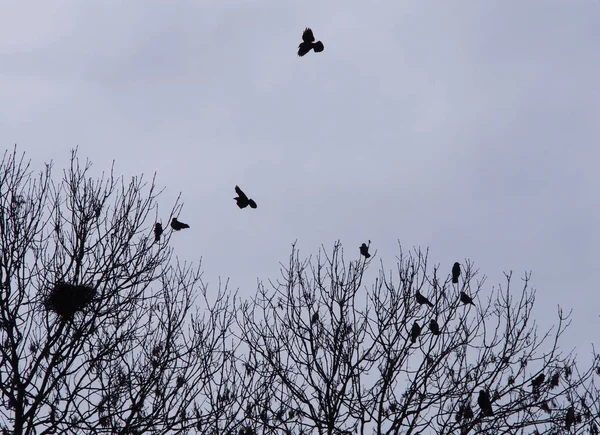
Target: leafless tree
333	357
100	326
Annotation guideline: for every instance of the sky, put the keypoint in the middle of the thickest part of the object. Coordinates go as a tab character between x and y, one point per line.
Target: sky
469	128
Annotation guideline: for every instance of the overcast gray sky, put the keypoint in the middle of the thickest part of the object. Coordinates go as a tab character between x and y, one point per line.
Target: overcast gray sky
471	128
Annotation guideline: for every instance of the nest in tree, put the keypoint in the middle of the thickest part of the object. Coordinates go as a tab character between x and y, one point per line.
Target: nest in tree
67	299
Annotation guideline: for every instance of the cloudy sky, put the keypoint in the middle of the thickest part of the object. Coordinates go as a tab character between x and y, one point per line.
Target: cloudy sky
471	128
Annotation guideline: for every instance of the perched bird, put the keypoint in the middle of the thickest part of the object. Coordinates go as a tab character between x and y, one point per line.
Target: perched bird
242	200
314	319
466	299
414	332
554	380
422	299
570	418
484	403
539	380
308	42
435	328
158	230
468	412
176	225
455	273
364	250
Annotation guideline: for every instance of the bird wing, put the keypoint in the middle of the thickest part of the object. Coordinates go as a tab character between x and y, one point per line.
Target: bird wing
308	36
241	194
318	47
303	49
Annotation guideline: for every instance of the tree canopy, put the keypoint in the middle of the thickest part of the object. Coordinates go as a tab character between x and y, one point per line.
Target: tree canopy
105	331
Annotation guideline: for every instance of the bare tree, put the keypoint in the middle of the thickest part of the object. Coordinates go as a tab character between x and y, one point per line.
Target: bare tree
99	326
332	357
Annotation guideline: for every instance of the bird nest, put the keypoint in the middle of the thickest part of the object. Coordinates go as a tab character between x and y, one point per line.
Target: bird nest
67	299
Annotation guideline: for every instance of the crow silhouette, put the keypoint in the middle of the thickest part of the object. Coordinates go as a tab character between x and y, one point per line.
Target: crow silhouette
484	403
364	250
158	230
314	319
570	418
435	328
554	380
468	412
455	273
242	200
308	42
414	332
422	299
176	225
539	380
466	299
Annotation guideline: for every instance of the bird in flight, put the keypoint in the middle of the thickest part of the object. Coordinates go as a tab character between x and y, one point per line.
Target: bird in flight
484	403
435	328
242	200
176	225
364	250
158	230
466	299
308	42
422	299
455	273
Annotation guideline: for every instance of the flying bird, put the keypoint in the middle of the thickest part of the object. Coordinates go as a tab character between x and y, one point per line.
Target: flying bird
570	418
308	42
466	299
414	332
484	403
435	328
158	230
455	273
422	299
364	250
176	225
242	200
539	380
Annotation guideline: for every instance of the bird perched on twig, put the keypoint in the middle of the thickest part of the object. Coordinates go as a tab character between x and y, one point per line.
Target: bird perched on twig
570	417
484	403
364	250
422	299
242	200
539	380
435	328
414	332
455	272
554	380
158	230
308	42
466	299
176	225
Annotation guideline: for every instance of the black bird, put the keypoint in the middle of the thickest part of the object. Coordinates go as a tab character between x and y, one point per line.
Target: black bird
308	42
466	299
414	332
422	299
314	319
158	230
484	403
468	412
455	273
435	328
176	225
364	250
570	418
539	380
242	200
554	380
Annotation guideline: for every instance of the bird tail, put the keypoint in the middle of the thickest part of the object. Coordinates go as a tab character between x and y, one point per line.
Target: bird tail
454	281
185	226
